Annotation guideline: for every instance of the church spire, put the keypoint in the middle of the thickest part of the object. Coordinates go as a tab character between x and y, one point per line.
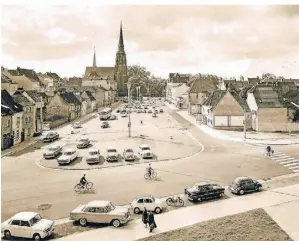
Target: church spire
121	40
94	57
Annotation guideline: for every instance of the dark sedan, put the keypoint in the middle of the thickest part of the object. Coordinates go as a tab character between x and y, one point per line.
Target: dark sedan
83	143
105	124
243	185
204	191
51	136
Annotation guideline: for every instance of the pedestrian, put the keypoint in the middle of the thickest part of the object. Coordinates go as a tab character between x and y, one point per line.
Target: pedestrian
268	150
145	217
151	221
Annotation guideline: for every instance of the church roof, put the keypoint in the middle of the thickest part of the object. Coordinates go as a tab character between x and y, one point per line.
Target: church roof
99	71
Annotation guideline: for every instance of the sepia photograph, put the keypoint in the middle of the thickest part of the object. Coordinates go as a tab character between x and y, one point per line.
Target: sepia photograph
149	120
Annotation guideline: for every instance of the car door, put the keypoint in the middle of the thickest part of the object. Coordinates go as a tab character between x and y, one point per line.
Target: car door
14	228
149	204
202	193
25	229
90	214
100	215
249	184
140	204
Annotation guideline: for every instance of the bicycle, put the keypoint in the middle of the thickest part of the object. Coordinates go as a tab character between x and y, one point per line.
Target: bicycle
150	176
79	187
176	201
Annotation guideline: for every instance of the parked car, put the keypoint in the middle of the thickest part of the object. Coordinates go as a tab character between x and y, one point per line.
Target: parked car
83	143
161	110
111	154
149	111
154	115
77	125
113	117
243	185
68	156
51	136
138	111
123	114
129	155
204	191
100	212
27	225
52	151
150	203
105	124
145	151
93	156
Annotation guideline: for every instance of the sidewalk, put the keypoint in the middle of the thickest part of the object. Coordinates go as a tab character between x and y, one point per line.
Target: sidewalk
238	136
190	215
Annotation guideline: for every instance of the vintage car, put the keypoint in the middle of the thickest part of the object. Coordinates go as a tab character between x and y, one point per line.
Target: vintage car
77	125
50	136
138	111
27	225
243	185
129	155
68	156
161	110
149	111
93	156
117	110
154	115
150	203
123	114
99	211
83	143
52	151
105	124
145	151
204	191
111	154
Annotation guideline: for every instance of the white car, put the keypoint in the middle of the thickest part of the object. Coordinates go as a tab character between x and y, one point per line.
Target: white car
123	114
77	125
53	151
111	154
129	155
93	156
27	225
150	203
68	156
145	151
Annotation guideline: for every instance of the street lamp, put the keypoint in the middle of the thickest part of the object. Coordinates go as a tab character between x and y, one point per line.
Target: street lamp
129	101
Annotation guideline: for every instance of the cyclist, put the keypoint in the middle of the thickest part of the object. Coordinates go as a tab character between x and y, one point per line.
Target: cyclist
150	170
83	180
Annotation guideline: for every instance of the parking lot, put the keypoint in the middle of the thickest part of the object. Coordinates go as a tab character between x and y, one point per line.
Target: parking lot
166	138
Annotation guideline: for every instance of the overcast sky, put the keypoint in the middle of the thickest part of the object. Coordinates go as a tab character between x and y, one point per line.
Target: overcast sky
223	40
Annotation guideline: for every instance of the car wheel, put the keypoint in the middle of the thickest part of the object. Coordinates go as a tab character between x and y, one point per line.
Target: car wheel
136	210
158	210
258	189
116	223
83	222
7	234
37	237
241	192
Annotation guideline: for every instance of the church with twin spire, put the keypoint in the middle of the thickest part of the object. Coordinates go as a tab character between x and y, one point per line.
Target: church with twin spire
112	78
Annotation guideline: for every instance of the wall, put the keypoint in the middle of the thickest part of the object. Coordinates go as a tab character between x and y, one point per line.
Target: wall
99	96
197	99
10	88
57	106
228	106
251	102
56	123
6	122
28	121
17	127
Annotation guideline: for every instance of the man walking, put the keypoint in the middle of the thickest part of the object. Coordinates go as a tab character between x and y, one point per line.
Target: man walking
145	217
151	221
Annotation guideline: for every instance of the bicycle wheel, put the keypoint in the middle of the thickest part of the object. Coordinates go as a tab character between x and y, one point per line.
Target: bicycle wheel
78	188
181	202
146	176
169	201
154	174
89	185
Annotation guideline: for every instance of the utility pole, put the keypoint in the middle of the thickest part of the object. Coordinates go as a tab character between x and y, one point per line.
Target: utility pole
41	113
129	100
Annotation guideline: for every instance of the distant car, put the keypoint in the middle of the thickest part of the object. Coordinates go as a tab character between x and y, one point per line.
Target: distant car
52	151
138	110
150	203
156	111
113	117
243	185
51	136
123	114
83	143
145	151
111	154
105	124
204	191
154	115
27	225
129	155
161	110
93	156
100	211
118	110
149	111
68	156
77	125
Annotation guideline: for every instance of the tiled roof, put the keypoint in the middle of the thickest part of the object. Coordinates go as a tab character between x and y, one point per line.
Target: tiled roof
89	94
29	73
5	79
22	100
8	104
202	85
36	95
267	97
70	98
253	81
99	71
53	75
292	95
228	81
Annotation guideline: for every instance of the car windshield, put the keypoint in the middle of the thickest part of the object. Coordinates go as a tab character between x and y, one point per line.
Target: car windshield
110	207
93	152
111	150
83	140
67	153
129	150
145	148
35	219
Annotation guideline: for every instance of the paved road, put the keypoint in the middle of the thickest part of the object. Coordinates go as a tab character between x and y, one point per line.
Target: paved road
25	186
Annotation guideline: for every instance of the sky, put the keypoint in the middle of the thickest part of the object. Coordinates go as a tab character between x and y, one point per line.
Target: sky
223	40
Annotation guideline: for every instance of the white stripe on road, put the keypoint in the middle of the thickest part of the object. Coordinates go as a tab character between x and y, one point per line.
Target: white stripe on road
287	161
283	158
292	165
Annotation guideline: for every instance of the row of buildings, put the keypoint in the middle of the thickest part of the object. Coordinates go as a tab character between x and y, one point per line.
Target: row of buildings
265	105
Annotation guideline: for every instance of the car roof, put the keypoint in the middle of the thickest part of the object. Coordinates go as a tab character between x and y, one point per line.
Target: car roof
26	216
144	197
69	150
93	149
98	203
111	147
54	146
241	179
144	145
201	183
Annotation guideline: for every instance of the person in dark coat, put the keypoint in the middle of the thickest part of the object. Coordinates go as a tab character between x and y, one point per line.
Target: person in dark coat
268	150
145	217
151	221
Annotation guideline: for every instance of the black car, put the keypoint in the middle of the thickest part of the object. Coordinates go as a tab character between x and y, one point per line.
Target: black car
83	143
243	185
204	191
105	124
51	136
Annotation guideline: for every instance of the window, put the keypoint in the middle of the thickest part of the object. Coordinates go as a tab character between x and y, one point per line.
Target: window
100	210
25	224
140	201
92	210
148	200
15	222
18	134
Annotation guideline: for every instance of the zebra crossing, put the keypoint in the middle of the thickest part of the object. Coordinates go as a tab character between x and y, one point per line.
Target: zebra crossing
281	158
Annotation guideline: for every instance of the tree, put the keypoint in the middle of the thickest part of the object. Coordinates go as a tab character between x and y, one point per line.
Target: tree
242	78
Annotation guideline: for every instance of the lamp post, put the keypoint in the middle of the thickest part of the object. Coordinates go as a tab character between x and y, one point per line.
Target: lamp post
129	101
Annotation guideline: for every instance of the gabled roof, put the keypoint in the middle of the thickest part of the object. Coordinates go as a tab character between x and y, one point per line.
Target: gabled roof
6	79
36	95
70	98
202	85
89	94
8	104
99	71
22	100
253	81
228	81
267	97
29	73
